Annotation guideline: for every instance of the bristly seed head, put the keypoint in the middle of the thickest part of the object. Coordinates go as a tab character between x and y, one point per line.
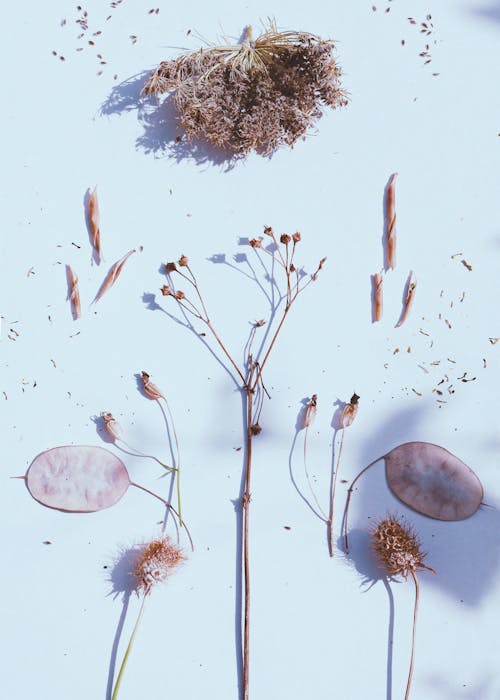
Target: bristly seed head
157	560
397	547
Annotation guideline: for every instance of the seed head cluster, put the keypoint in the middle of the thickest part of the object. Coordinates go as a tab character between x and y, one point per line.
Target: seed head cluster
397	547
157	560
255	96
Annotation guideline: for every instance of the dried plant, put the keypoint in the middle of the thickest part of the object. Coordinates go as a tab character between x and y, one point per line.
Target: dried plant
409	295
254	96
399	553
156	561
94	219
248	377
390	221
347	416
378	296
113	274
115	432
74	293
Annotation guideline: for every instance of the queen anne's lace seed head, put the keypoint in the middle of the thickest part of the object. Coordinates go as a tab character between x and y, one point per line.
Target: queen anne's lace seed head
256	96
157	560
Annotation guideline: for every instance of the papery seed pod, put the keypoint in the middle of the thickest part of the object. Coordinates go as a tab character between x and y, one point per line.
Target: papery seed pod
112	426
349	412
311	409
150	389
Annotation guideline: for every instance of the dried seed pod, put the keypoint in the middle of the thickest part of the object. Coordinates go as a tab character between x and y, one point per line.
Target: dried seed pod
349	412
112	426
150	389
411	285
95	223
74	293
157	560
77	478
428	479
378	296
397	547
310	413
390	221
255	96
113	274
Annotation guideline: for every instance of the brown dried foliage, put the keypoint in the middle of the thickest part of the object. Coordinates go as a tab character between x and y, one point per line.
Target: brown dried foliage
390	221
255	96
378	296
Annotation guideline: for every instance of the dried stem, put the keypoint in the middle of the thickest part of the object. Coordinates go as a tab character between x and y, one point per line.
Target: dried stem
170	507
129	648
415	613
333	482
348	501
253	389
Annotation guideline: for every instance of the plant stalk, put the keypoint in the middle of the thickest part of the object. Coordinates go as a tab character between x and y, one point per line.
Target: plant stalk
246	558
127	652
415	613
329	525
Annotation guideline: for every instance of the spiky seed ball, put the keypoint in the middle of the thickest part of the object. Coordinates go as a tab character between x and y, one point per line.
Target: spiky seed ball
157	560
397	547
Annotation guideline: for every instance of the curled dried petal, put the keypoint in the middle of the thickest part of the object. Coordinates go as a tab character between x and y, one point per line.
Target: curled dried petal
94	223
113	274
378	292
411	285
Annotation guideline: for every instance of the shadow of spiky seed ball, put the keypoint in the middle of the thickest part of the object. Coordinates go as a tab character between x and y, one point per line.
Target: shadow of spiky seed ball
255	96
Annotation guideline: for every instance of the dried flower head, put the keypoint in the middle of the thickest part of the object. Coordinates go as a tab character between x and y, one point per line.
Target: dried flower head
397	547
296	237
285	238
349	412
112	426
166	290
254	96
150	389
256	242
157	560
183	261
170	267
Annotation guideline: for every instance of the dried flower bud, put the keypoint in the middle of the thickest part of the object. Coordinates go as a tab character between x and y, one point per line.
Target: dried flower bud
157	560
296	237
268	231
285	238
397	547
166	291
179	295
255	429
349	412
321	263
256	242
261	322
292	268
310	414
150	389
112	426
183	261
170	267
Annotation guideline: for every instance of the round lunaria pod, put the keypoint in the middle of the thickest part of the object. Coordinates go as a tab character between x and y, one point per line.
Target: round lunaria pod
77	478
432	481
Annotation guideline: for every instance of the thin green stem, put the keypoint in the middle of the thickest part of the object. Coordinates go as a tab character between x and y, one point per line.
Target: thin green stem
177	461
127	652
415	613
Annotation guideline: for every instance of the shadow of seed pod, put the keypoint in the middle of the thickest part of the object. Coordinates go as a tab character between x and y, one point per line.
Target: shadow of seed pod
428	479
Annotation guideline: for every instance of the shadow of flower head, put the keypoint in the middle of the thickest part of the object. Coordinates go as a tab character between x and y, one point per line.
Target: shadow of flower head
161	135
121	576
